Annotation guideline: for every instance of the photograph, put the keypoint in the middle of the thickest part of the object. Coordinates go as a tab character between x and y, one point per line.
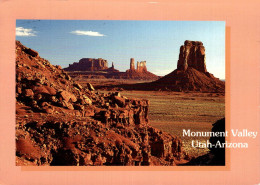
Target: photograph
120	93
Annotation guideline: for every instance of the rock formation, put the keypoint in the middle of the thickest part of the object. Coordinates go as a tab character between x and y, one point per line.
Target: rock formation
97	68
113	67
60	122
140	72
191	73
132	64
88	64
192	54
141	67
109	71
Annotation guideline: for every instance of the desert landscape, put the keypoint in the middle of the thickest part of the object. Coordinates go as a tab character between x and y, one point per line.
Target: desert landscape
193	99
89	114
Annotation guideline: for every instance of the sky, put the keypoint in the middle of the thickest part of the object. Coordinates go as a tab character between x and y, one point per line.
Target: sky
63	42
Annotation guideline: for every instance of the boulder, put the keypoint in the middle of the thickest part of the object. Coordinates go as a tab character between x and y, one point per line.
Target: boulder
77	86
90	87
28	92
31	52
119	101
44	90
87	100
67	96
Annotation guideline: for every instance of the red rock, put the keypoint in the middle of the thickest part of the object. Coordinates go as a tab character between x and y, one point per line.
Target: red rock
141	67
132	64
140	73
119	101
87	100
51	90
88	64
190	76
28	92
59	67
44	90
48	110
78	86
67	96
192	54
78	107
19	90
90	87
31	52
38	97
87	128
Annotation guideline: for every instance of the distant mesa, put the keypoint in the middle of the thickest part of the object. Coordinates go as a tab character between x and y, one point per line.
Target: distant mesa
88	64
98	68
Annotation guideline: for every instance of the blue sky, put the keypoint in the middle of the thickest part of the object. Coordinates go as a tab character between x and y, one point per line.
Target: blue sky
63	42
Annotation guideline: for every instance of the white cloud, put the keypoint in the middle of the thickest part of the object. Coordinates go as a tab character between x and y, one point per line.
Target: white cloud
88	33
24	32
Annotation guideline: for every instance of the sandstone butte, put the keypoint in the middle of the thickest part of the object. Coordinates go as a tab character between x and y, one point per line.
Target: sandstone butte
59	122
140	72
88	64
98	68
191	74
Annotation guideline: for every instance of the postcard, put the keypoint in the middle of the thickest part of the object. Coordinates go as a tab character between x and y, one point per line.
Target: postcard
149	95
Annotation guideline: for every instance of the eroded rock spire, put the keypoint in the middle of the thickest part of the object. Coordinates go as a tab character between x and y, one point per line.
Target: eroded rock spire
192	54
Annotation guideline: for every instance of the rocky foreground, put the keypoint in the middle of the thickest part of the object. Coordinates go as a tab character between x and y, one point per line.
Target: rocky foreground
59	122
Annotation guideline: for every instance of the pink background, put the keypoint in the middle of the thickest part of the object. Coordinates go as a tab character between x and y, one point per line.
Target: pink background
242	81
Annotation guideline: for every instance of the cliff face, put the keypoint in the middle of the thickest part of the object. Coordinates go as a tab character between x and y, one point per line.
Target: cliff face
88	64
141	67
192	54
132	64
59	122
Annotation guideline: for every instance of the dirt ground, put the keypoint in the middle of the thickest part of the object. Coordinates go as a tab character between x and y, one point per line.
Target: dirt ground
106	82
